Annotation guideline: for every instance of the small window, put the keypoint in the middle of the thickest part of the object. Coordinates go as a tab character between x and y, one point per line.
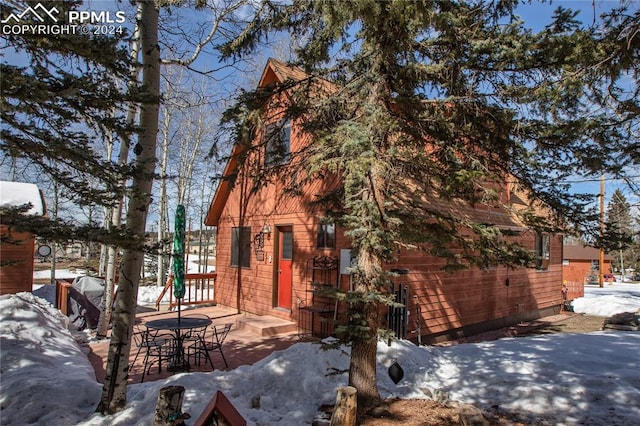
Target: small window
287	245
543	252
326	236
241	247
277	143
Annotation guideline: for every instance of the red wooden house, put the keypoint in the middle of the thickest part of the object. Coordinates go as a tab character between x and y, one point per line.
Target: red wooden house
272	247
17	247
581	264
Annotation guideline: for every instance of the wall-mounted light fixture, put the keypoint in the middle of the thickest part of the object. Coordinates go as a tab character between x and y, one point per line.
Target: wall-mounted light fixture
266	229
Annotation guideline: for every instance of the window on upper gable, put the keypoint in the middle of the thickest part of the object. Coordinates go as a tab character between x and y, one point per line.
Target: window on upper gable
543	252
326	236
277	143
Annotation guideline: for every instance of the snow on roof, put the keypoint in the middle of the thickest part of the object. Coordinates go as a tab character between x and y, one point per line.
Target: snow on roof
14	194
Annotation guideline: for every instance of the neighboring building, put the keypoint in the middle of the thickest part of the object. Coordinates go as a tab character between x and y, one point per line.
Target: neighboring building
581	264
272	247
17	248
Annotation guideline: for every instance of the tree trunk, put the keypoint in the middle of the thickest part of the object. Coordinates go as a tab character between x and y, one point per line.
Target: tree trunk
54	215
621	267
115	213
169	407
163	205
362	367
114	393
345	410
108	214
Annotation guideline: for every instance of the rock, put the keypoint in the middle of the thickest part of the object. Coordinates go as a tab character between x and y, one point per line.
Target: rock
628	321
441	396
379	412
471	416
255	402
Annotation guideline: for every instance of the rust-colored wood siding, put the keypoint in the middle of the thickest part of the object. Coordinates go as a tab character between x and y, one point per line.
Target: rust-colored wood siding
452	303
17	275
578	270
253	289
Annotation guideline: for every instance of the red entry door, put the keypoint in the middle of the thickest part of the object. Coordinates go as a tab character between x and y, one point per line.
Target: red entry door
285	263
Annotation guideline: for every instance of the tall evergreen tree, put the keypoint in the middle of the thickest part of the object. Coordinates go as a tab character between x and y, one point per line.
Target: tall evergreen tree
615	83
618	236
60	94
428	100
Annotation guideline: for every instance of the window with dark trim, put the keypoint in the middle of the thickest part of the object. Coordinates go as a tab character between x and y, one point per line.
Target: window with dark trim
277	143
543	252
241	246
326	236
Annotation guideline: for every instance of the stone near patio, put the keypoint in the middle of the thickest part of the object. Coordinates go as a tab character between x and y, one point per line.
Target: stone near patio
471	416
626	321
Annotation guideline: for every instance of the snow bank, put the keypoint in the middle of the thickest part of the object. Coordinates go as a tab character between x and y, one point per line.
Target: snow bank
45	377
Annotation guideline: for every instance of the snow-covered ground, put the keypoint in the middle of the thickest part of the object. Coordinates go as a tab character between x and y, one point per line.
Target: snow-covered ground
563	379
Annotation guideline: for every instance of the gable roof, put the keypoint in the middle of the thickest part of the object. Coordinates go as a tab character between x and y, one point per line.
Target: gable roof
580	252
274	71
416	200
278	72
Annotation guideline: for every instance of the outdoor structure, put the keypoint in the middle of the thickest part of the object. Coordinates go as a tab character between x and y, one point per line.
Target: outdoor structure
581	263
17	248
274	249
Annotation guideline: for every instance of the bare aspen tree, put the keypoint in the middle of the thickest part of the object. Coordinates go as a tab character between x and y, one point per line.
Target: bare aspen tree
114	393
115	386
114	218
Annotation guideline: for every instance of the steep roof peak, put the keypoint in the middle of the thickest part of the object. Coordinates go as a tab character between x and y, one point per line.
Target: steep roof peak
280	71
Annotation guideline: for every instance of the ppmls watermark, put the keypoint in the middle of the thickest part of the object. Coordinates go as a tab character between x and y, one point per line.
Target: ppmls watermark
41	20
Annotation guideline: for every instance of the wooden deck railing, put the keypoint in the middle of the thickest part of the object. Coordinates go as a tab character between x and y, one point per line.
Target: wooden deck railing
199	290
62	294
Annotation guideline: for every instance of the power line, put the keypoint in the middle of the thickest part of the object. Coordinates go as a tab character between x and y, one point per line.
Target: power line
598	179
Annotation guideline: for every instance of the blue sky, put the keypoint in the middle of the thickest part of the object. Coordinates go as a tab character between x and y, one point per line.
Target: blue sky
535	15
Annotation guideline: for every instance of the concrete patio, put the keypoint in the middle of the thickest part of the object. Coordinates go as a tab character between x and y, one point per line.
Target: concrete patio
251	338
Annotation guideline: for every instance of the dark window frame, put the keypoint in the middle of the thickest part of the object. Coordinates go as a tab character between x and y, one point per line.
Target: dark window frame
326	236
543	251
277	143
241	258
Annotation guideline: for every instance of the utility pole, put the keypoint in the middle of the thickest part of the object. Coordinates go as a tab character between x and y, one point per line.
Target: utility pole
601	266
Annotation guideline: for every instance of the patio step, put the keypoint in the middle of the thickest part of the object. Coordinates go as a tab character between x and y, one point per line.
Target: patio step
266	326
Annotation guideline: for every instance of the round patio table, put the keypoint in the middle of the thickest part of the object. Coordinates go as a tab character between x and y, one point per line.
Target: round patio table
180	327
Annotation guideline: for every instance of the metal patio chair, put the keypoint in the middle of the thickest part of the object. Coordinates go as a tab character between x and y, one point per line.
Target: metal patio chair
220	333
194	341
156	347
218	336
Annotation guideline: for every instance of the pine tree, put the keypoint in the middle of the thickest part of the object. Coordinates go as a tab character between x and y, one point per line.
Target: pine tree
618	236
59	94
427	100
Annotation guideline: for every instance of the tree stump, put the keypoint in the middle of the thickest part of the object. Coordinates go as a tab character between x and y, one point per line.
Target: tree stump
169	407
344	413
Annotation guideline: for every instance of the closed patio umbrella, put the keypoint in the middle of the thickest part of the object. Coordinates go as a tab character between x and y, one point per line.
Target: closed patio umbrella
178	255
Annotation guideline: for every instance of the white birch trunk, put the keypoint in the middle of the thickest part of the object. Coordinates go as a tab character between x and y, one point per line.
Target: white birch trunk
116	211
162	209
114	393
